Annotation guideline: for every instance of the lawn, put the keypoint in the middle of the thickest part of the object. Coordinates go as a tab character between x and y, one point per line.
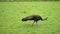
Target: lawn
11	14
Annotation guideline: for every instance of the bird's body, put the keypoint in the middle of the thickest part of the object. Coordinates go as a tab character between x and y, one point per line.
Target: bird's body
33	17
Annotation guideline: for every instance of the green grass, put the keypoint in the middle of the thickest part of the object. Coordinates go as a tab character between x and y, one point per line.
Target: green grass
11	14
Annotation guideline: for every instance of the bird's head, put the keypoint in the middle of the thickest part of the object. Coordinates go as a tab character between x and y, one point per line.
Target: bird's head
46	18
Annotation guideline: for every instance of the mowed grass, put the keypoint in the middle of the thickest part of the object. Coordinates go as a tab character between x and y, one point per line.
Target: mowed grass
11	14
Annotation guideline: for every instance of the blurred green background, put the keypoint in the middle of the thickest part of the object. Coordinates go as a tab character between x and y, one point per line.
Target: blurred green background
11	14
24	0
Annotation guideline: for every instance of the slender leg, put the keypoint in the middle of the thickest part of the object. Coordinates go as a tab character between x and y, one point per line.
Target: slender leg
36	23
33	23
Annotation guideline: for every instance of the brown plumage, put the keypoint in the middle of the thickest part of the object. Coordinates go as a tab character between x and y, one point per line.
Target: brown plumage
33	17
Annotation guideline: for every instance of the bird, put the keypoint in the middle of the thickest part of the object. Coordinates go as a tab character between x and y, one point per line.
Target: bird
34	17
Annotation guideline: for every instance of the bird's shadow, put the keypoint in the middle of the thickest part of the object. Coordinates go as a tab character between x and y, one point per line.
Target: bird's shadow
29	26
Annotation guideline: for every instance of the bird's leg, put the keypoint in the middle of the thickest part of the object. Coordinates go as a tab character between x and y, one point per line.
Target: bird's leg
36	22
33	23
